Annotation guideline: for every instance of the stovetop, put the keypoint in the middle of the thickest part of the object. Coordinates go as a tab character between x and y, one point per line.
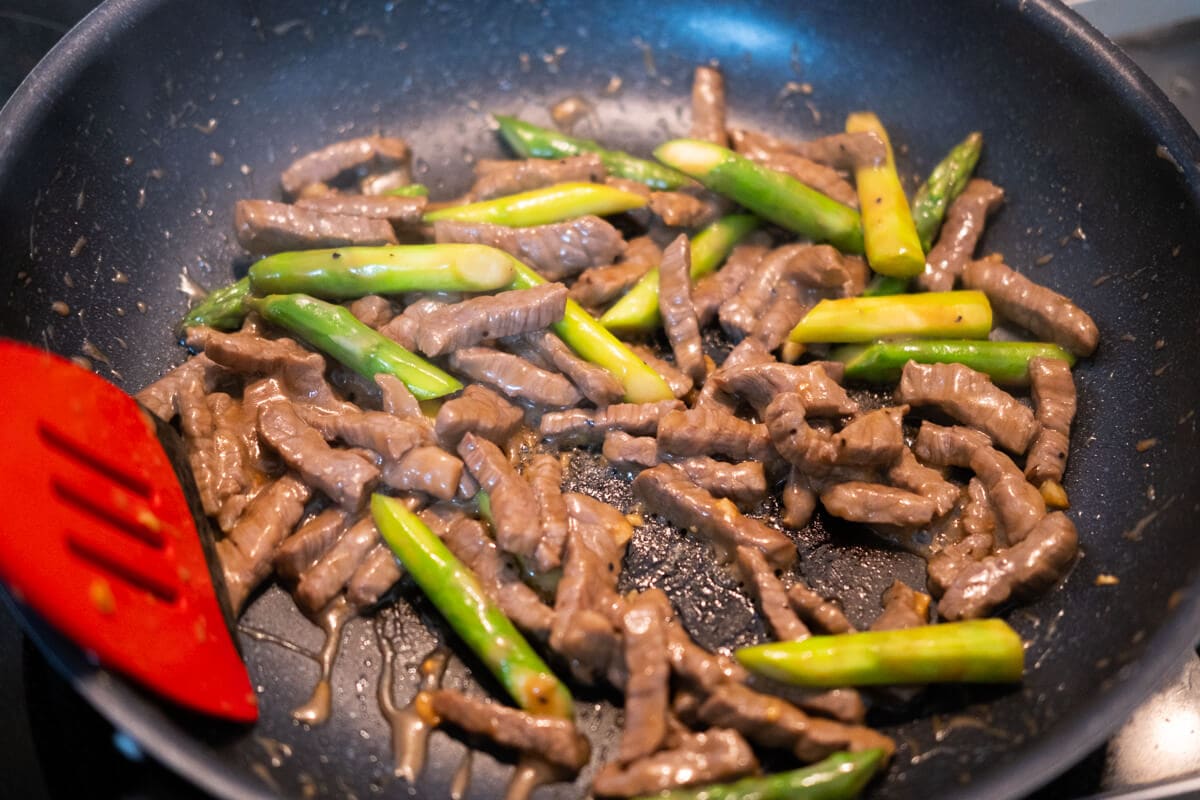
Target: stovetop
44	725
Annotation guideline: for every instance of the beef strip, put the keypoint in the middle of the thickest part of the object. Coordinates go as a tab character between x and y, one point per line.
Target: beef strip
372	310
698	759
813	265
675	306
551	739
579	426
969	397
598	285
326	164
458	325
397	399
1053	391
846	151
789	304
647	688
1047	314
668	491
713	431
826	180
515	377
246	554
810	449
744	483
678	380
198	427
772	599
708	106
875	438
686	209
386	434
950	446
343	476
1018	572
377	573
911	475
555	251
264	226
799	500
979	523
161	398
747	352
1018	504
693	663
404	327
630	453
511	496
321	582
714	289
396	210
817	611
496	178
426	469
960	233
544	473
977	514
310	541
876	504
596	383
903	607
477	410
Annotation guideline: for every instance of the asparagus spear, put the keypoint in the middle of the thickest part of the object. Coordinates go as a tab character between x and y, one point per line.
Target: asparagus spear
975	651
935	315
839	777
456	592
592	342
334	330
347	272
893	247
1005	362
637	311
773	195
530	141
543	206
222	309
945	183
411	190
884	285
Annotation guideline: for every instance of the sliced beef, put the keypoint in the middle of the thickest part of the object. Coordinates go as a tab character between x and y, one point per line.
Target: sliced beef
600	284
1047	314
903	607
301	371
386	434
554	251
161	398
686	209
515	377
1017	573
772	598
747	352
596	383
647	688
579	426
813	265
396	210
798	500
512	498
826	180
426	469
697	759
552	739
404	327
1018	504
544	474
477	410
321	582
675	306
715	289
911	475
950	446
246	554
377	573
818	612
808	448
372	310
264	226
873	439
496	178
310	541
198	427
978	517
630	453
326	164
960	234
712	431
696	665
676	378
788	306
668	491
969	397
708	106
458	325
846	151
744	483
397	399
876	504
1053	391
344	477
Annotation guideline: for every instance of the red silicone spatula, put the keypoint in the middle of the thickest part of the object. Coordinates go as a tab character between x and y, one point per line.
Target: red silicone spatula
98	537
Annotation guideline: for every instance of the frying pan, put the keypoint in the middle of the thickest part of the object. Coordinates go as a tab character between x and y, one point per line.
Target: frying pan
122	155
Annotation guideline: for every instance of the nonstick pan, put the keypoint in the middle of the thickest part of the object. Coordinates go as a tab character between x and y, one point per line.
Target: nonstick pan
122	155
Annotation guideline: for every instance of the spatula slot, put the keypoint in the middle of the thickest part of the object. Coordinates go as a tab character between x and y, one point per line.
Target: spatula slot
85	455
126	566
113	507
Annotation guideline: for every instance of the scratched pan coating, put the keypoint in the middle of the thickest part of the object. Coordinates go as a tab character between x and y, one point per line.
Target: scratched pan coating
122	156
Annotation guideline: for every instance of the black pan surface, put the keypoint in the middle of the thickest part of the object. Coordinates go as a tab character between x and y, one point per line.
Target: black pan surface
121	156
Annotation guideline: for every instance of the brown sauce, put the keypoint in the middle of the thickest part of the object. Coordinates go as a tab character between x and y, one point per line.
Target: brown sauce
530	773
461	782
316	710
410	733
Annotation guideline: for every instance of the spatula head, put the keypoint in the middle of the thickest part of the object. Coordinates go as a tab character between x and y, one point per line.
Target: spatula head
98	538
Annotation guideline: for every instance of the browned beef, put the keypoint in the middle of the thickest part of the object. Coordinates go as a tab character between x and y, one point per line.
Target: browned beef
675	306
1053	391
515	377
373	311
310	541
844	150
553	739
458	325
396	210
544	473
667	491
875	438
969	397
693	663
199	428
246	554
397	399
956	557
713	290
768	590
686	209
676	378
911	475
977	514
326	164
813	265
477	410
647	688
386	434
554	251
809	449
788	306
708	106
512	498
746	353
496	178
744	483
826	180
712	431
751	143
630	453
579	426
903	607
344	477
960	233
1017	573
426	469
161	397
950	446
403	328
596	383
377	573
264	226
817	611
321	582
1018	503
876	504
698	759
598	285
1046	313
799	500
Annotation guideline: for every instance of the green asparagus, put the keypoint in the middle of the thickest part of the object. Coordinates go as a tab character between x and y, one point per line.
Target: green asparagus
222	309
530	141
556	203
411	190
884	285
975	651
348	272
637	311
1005	362
945	183
772	195
456	592
935	315
841	776
334	330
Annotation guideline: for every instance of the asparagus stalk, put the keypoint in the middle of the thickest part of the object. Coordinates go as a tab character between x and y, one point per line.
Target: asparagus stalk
456	592
884	285
531	141
772	195
348	272
1005	362
592	342
975	651
936	315
893	247
839	777
637	310
411	190
334	331
543	206
945	183
222	309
